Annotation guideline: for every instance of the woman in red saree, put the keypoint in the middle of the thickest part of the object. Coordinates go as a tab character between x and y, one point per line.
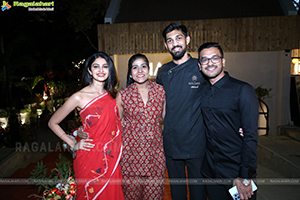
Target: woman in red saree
96	166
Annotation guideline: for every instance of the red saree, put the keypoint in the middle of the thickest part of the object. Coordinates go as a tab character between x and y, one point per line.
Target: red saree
97	172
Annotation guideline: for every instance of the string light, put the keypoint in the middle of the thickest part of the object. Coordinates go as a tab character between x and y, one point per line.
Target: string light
78	64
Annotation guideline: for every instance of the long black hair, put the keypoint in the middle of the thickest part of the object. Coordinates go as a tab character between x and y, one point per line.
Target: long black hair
130	62
111	83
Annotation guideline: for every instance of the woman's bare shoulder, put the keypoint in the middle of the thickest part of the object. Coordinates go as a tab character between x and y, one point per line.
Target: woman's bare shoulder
84	96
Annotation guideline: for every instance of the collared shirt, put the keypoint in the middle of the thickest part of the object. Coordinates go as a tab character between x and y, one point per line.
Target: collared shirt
184	131
228	105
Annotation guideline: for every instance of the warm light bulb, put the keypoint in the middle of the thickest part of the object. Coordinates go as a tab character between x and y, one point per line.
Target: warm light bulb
295	60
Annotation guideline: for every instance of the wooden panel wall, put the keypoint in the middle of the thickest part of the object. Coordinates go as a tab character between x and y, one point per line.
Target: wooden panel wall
234	35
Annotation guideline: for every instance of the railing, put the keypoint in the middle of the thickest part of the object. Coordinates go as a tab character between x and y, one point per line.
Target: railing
263	120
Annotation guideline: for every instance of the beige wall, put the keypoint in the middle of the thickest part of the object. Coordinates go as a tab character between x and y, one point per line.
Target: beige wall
270	69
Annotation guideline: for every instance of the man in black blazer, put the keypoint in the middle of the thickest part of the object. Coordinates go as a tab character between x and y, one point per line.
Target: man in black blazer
227	105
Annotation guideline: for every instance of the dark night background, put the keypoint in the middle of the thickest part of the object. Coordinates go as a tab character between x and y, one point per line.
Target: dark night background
35	42
38	43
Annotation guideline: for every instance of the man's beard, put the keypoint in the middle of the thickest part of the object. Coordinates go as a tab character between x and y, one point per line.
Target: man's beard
179	54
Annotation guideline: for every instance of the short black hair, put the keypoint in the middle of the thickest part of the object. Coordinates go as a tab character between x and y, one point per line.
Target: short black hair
209	45
172	27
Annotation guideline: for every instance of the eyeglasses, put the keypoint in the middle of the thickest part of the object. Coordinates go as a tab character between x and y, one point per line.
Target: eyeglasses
215	59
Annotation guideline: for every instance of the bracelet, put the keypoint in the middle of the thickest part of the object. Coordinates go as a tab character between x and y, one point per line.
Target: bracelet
61	135
74	150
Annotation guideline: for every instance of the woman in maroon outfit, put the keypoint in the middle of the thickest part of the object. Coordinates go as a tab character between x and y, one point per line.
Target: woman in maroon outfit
141	106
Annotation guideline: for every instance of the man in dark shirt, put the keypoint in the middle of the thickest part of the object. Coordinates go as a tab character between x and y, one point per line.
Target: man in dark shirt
228	104
184	130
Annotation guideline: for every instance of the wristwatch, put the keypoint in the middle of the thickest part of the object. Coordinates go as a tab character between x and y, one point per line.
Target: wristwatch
246	182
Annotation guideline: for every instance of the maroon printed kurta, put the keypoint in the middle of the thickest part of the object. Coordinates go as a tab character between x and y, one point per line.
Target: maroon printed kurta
143	154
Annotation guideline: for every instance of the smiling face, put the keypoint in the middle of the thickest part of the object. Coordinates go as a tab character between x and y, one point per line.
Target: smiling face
214	71
99	70
140	71
176	44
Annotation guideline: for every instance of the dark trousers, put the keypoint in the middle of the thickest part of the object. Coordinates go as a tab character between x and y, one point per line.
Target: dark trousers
178	178
217	192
